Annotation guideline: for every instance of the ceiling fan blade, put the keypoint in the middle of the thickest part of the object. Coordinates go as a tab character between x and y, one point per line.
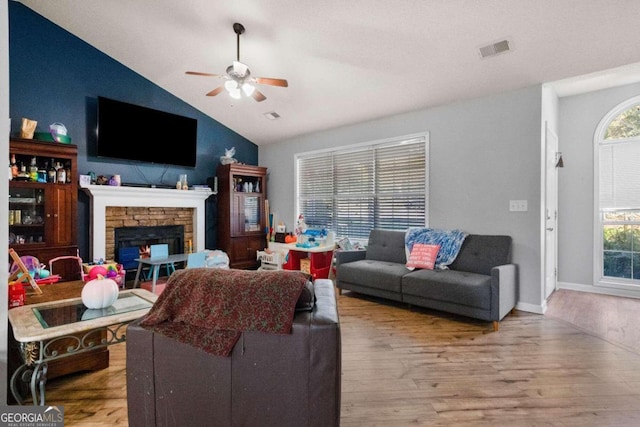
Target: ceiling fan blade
272	82
258	96
216	91
198	73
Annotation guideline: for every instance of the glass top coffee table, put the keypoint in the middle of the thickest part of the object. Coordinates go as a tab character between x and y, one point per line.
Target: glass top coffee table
54	330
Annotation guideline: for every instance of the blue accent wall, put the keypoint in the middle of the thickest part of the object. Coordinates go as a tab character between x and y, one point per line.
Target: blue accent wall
56	77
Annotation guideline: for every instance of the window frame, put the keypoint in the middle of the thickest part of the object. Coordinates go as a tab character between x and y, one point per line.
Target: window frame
599	279
368	145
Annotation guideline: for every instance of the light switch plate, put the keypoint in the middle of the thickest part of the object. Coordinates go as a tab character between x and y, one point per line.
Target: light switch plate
518	206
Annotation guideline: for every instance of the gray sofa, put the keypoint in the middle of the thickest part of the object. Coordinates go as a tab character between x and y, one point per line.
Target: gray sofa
481	283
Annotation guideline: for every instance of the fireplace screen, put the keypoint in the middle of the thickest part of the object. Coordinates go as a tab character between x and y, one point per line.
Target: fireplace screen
142	238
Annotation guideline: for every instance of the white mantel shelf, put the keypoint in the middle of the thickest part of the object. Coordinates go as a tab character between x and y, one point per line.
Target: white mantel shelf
103	196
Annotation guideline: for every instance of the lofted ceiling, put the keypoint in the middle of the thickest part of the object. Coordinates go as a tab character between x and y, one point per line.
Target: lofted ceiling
353	61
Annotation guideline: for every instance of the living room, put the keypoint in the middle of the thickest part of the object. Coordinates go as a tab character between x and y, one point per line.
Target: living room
483	152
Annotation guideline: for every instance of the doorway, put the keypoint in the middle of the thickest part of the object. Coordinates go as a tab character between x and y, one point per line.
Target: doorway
553	160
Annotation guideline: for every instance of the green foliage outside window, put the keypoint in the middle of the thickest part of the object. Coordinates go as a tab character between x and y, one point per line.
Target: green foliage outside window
626	125
621	244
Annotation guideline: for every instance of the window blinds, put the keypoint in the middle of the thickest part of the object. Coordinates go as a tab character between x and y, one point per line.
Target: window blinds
620	175
355	190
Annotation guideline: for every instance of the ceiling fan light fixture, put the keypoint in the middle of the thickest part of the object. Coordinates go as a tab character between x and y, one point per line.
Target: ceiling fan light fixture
248	89
235	93
240	69
231	85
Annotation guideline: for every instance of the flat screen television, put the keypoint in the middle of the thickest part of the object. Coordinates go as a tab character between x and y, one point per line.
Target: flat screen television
133	132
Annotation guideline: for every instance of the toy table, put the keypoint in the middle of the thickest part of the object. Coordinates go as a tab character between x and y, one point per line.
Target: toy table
318	258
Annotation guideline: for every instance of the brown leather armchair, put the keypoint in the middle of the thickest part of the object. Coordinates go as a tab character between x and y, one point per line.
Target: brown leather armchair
268	380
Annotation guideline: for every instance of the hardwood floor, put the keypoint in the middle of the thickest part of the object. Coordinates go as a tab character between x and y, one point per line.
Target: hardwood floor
612	318
419	367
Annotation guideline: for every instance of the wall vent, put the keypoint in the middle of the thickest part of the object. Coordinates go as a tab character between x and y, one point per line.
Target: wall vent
496	48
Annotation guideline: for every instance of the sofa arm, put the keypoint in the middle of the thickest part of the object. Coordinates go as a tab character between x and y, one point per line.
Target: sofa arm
343	257
504	290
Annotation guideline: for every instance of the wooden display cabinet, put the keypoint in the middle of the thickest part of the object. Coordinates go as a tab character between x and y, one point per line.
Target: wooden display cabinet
42	215
242	191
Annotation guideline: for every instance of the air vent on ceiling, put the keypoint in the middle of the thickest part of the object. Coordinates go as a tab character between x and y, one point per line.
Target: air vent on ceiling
496	48
272	115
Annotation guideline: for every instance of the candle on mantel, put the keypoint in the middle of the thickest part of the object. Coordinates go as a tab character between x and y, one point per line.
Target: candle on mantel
189	247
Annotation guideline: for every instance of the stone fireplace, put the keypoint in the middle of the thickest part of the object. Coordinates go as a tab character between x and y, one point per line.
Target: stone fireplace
115	207
144	236
135	226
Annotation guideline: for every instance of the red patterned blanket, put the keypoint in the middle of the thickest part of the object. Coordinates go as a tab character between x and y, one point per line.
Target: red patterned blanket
210	308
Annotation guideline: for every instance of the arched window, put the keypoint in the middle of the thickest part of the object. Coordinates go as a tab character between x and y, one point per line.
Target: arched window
617	236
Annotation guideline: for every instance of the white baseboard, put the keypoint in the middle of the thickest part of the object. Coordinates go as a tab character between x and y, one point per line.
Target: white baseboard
532	308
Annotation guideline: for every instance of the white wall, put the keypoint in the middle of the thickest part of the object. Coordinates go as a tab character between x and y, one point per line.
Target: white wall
579	117
4	191
484	152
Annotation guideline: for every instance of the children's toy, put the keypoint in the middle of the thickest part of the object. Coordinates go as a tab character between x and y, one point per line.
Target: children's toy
290	238
311	238
22	273
83	276
301	226
90	271
270	260
36	269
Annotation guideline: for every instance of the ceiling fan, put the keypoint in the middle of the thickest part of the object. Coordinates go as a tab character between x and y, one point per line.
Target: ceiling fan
238	77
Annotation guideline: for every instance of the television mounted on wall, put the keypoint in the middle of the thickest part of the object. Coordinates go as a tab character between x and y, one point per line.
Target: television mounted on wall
136	133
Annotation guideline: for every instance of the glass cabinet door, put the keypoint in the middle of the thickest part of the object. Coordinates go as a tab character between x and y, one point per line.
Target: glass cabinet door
251	214
26	215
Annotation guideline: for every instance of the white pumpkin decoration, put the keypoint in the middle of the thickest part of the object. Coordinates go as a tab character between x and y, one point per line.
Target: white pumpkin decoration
99	293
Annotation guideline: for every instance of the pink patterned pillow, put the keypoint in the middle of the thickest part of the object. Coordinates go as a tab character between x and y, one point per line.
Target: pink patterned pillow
423	256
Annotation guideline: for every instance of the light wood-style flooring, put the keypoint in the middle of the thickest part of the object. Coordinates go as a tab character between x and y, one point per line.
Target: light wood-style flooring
419	367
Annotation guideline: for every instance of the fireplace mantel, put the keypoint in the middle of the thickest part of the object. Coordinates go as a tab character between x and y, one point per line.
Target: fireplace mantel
103	196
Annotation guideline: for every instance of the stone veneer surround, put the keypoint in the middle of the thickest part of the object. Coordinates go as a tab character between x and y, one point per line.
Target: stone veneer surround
122	216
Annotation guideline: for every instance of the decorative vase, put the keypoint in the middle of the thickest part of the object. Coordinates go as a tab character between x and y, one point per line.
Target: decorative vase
99	293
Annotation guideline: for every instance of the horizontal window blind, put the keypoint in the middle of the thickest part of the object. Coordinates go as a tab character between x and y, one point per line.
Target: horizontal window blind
620	175
354	190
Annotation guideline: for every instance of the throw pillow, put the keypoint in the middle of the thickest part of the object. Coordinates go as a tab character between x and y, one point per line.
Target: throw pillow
423	256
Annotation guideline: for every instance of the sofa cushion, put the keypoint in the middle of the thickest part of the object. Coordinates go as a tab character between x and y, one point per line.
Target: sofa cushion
459	287
374	274
480	253
386	245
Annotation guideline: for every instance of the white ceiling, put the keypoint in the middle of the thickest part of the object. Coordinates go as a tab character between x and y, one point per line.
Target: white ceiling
349	61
